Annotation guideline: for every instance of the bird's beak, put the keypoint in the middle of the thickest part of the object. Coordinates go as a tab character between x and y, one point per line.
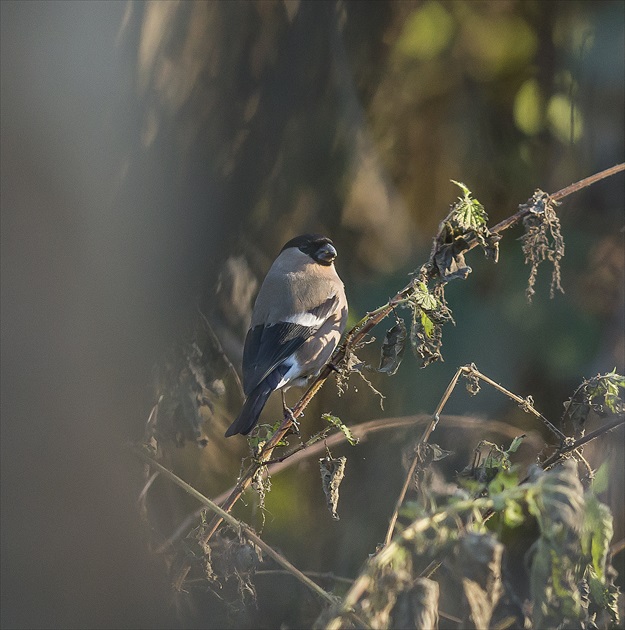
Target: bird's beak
326	253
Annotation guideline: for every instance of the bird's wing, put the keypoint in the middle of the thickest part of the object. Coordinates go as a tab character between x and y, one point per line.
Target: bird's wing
266	347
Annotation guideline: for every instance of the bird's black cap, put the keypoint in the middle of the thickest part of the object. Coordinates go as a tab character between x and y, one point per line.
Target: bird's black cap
308	242
320	248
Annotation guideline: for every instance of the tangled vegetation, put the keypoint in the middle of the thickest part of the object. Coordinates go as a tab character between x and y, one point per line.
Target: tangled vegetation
498	548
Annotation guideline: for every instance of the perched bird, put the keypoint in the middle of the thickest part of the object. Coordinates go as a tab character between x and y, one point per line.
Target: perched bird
297	322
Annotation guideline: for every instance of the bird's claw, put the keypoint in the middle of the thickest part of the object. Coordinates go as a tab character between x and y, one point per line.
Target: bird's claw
294	428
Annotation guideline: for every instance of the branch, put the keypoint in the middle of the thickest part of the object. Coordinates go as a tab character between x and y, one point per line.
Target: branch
561	194
356	335
524	403
593	435
238	525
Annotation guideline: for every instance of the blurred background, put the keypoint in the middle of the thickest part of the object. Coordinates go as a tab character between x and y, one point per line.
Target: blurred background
155	158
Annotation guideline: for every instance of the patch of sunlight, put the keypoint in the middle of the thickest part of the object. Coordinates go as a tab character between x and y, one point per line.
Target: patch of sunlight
426	33
528	108
565	121
497	45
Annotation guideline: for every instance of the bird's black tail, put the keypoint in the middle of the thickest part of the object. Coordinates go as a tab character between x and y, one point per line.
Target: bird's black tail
254	403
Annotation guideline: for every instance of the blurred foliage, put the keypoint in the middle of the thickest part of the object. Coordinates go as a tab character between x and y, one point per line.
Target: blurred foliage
569	575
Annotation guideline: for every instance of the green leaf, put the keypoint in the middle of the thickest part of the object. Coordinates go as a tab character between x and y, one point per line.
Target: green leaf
469	212
513	515
597	532
601	479
514	446
601	394
263	434
428	324
604	595
423	298
338	423
504	480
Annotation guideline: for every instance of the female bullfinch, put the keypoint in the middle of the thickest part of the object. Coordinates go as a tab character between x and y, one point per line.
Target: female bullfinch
297	322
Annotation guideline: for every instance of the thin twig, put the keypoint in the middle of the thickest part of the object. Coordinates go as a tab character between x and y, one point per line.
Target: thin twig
564	449
431	569
318	437
557	196
593	435
418	453
587	181
466	369
385	557
147	485
238	525
418	450
524	403
400	500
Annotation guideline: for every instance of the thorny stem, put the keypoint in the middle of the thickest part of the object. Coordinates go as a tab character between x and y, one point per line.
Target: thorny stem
357	334
524	403
568	448
304	445
238	525
561	194
587	181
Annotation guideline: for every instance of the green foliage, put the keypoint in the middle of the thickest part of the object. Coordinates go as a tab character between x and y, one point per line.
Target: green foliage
568	560
603	394
466	221
569	571
489	460
469	213
262	433
338	423
556	501
429	313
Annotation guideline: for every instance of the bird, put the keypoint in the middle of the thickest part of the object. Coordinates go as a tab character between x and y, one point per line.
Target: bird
297	321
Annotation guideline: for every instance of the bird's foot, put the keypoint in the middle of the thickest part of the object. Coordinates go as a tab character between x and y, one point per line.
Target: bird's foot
294	428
